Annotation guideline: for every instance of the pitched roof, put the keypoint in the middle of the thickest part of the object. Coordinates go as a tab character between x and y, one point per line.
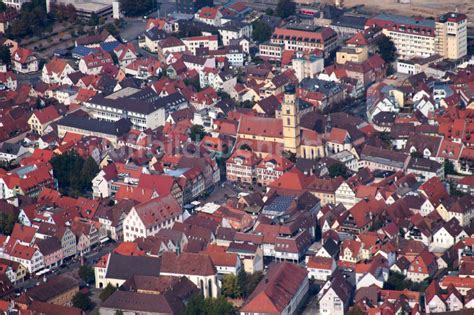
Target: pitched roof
187	264
158	210
124	267
277	288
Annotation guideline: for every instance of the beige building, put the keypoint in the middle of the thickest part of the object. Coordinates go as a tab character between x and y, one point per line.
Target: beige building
417	37
307	66
451	35
306	39
352	54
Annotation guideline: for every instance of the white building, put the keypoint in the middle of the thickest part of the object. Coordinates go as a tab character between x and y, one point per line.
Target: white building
148	218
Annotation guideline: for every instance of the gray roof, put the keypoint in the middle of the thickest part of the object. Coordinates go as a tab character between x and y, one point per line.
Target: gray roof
148	303
116	128
142	102
279	204
400	19
53	288
124	267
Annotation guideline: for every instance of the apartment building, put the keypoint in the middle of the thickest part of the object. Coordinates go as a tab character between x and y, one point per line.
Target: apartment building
148	218
411	36
307	66
451	35
142	110
192	43
270	51
416	36
306	38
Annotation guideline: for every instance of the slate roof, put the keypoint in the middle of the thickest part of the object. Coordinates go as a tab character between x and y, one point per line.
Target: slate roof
124	267
117	128
53	288
147	303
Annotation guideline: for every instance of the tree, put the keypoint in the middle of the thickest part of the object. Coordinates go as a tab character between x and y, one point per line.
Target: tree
355	310
33	20
136	7
107	292
261	31
86	273
197	133
118	312
209	306
269	11
88	172
74	175
194	82
230	287
5	55
338	169
3	6
7	222
387	49
252	282
111	28
93	20
285	8
82	301
449	168
246	104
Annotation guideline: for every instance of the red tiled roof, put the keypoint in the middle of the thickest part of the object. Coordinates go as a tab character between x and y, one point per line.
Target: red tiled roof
158	210
47	114
275	291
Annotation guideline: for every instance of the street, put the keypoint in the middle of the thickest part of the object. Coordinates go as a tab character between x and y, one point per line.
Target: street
69	266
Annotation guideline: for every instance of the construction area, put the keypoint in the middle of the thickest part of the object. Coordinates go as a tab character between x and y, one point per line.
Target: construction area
426	8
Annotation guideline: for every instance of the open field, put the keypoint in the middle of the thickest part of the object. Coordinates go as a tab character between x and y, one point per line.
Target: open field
425	8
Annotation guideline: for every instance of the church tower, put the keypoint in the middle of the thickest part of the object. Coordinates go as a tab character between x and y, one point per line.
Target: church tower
291	121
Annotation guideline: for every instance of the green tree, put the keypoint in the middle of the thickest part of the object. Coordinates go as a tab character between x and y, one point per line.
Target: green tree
269	11
7	222
209	306
261	31
197	133
339	169
107	292
355	310
88	172
118	312
74	175
387	49
285	8
242	279
94	20
33	20
246	104
194	82
230	287
111	28
3	6
449	168
136	7
86	273
82	301
5	55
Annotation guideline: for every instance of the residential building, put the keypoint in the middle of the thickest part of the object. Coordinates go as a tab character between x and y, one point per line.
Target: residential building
279	292
143	113
193	43
320	38
24	61
148	218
